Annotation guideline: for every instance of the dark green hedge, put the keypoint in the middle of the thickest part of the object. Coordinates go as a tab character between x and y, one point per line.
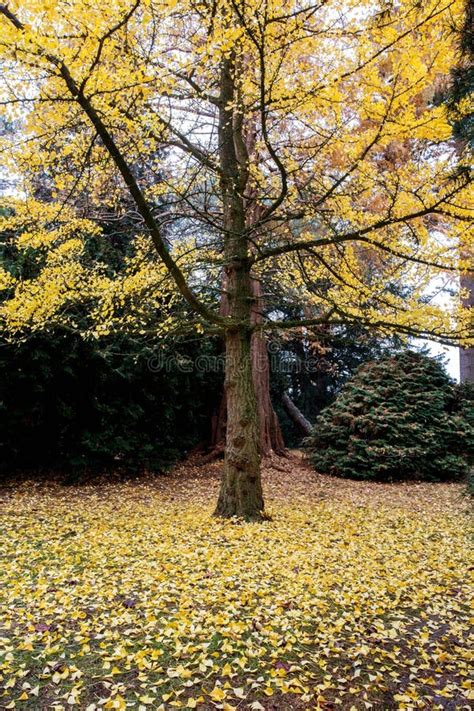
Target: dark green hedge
72	405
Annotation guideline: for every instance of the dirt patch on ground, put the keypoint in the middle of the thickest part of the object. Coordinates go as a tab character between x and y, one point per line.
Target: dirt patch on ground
292	478
289	478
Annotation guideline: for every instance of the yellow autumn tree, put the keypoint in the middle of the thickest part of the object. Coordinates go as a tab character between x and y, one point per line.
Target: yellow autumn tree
298	140
63	280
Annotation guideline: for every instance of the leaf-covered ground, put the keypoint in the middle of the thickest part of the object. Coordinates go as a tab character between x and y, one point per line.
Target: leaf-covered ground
130	595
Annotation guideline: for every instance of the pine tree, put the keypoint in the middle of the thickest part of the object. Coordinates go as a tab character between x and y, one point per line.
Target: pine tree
398	418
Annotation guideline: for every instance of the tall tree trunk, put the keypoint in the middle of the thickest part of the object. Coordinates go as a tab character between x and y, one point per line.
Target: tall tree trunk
466	355
461	89
271	438
241	488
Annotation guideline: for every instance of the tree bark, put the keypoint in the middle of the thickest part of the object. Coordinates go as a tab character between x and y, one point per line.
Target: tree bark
304	426
271	438
466	355
241	488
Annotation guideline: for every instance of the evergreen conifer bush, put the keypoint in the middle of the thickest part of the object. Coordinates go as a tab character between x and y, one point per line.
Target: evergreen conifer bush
400	417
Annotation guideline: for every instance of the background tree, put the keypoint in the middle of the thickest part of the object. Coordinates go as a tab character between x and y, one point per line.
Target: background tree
311	365
460	103
303	140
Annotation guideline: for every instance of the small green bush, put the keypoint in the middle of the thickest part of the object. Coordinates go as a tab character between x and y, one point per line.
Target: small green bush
399	418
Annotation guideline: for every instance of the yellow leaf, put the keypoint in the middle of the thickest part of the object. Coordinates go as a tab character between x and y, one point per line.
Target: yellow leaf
217	694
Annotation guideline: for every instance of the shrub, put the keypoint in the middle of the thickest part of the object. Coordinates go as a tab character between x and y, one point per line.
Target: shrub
399	418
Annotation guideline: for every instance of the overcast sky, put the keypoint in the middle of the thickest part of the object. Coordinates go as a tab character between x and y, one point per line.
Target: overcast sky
451	354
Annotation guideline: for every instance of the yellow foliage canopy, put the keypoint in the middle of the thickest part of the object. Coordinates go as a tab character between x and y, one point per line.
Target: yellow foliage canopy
344	164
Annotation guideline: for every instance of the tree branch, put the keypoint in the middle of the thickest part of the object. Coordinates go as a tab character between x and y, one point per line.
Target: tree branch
131	183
